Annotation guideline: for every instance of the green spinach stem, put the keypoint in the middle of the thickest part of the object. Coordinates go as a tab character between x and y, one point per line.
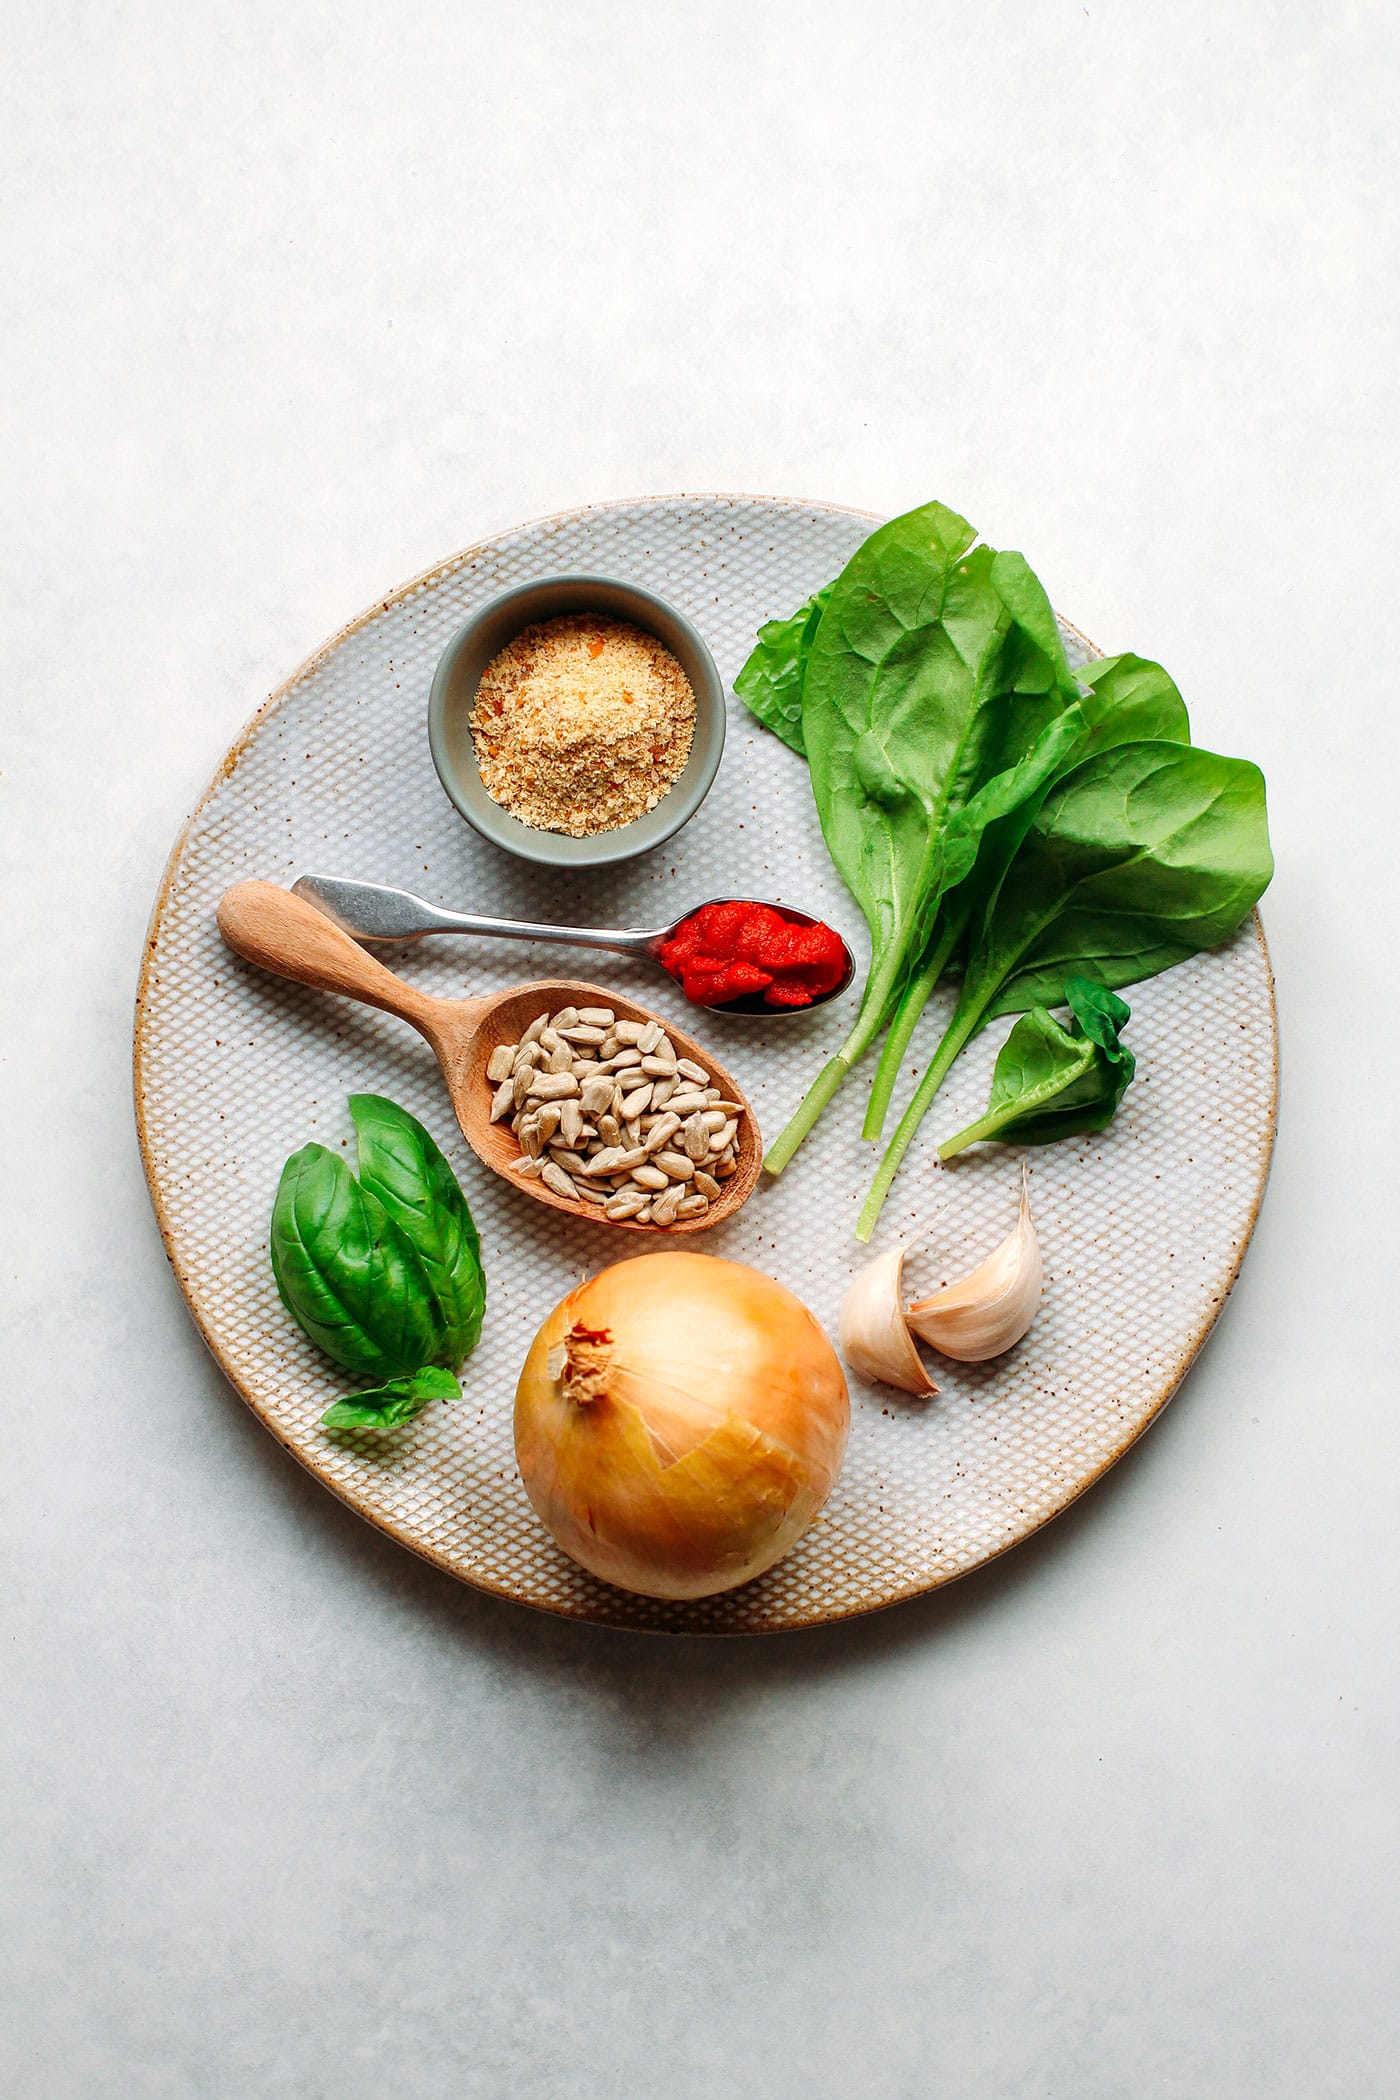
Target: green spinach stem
985	1127
872	1015
914	999
963	1025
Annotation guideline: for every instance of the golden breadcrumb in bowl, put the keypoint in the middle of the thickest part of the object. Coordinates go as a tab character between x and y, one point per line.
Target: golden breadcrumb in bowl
577	720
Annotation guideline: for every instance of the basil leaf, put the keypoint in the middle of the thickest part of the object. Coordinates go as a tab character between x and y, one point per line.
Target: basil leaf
345	1272
401	1165
770	684
399	1400
1051	1082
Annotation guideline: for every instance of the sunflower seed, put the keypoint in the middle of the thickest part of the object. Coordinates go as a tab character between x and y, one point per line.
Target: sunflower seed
603	1162
572	1162
696	1139
589	1195
552	1086
662	1130
650	1177
566	1017
722	1168
581	1033
663	1210
531	1136
535	1030
692	1206
555	1178
500	1063
503	1101
674	1165
649	1038
634	1103
596	1017
548	1119
625	1060
688	1069
686	1102
715	1118
705	1184
721	1139
570	1121
609	1129
630	1031
660	1067
526	1167
597	1094
625	1204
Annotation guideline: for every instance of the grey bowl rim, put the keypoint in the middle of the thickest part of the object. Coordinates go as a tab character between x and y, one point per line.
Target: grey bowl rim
606	848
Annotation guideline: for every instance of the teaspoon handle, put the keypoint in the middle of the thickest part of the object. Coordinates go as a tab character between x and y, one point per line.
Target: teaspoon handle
372	911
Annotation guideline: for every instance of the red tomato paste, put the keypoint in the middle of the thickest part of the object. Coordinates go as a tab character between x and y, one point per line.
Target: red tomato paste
724	951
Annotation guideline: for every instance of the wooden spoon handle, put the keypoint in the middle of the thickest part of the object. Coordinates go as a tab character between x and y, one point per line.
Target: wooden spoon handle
281	933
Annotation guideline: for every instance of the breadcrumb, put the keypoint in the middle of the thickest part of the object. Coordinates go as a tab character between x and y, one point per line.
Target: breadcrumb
581	724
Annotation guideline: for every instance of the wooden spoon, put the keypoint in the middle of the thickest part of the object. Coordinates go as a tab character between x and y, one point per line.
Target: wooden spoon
282	933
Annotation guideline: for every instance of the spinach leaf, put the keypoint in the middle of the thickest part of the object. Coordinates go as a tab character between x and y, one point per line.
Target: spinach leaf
934	669
1140	857
345	1272
1050	1081
401	1165
982	802
399	1400
770	684
1128	699
1122	699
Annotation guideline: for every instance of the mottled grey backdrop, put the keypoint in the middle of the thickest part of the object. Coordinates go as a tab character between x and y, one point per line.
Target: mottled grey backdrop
301	299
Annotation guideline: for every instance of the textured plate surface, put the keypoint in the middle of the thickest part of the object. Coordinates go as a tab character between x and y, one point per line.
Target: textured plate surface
1142	1227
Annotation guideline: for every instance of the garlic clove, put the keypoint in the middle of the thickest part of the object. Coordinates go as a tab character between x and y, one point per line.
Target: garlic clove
874	1338
991	1309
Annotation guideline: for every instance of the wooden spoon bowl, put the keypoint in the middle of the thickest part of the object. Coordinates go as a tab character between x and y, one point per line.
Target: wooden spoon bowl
284	934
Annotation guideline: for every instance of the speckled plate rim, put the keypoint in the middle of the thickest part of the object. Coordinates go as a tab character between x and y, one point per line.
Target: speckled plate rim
400	1533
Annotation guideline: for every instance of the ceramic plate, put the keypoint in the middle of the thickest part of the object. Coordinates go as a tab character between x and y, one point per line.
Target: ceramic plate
1142	1226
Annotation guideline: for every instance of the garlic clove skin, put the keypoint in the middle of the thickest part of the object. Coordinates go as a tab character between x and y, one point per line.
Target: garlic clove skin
874	1338
991	1309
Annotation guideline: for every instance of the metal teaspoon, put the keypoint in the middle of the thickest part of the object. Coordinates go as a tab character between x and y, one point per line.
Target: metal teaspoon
371	911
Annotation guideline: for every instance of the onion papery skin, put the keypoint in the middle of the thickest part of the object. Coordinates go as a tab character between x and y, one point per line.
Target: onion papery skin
679	1422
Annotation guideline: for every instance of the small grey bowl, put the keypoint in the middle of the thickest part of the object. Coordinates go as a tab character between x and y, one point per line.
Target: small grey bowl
454	693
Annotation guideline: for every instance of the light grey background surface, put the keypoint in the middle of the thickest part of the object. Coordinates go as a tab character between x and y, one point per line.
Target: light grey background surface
300	299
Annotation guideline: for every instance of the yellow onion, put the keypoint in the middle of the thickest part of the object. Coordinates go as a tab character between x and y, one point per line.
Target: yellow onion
679	1422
